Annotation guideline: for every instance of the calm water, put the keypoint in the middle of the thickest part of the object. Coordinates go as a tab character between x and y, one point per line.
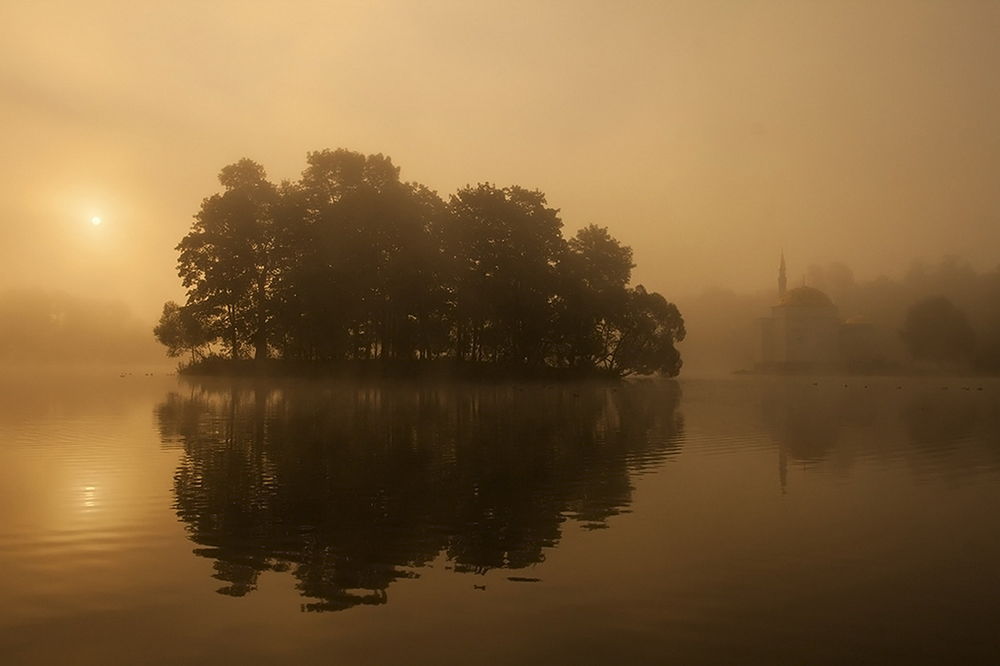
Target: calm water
155	520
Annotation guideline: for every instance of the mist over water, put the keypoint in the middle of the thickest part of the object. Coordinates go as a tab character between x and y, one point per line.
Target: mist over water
724	324
43	330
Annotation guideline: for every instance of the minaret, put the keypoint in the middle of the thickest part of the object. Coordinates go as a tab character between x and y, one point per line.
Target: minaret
781	276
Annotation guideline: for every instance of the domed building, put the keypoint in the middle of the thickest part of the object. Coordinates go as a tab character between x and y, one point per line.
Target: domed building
805	332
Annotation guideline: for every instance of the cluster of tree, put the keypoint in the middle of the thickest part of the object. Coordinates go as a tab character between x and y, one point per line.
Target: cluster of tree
944	313
348	489
350	262
935	330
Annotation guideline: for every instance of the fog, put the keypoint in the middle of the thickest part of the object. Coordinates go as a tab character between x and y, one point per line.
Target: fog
724	330
708	136
56	329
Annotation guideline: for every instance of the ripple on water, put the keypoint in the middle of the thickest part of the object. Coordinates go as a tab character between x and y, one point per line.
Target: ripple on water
768	511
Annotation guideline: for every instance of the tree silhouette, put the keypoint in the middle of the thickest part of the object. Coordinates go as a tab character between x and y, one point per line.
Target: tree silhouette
508	244
594	273
227	262
643	338
180	331
935	330
350	263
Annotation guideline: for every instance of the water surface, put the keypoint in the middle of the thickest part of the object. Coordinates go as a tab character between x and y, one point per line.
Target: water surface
157	520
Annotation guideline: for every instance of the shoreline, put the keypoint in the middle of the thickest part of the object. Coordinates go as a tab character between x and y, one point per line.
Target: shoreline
381	369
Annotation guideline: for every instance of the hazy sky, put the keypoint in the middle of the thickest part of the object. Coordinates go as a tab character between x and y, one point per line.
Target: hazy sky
707	135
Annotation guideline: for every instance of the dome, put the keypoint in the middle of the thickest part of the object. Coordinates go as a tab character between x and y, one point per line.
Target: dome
806	297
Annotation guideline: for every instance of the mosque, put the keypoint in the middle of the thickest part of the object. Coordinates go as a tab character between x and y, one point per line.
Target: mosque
805	333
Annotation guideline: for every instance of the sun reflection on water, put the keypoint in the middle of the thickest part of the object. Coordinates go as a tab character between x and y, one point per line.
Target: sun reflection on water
89	497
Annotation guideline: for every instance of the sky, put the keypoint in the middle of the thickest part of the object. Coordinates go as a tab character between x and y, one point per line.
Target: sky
709	136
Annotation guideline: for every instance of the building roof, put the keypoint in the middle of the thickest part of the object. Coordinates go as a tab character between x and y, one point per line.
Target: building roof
805	297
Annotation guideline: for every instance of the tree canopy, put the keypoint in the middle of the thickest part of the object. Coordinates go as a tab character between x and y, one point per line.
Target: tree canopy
180	331
352	263
936	330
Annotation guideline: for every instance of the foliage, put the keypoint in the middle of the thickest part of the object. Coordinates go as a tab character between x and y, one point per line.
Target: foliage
594	273
506	243
180	331
936	330
227	261
645	334
351	263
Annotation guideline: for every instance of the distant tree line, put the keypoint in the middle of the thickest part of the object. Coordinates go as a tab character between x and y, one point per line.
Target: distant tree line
943	314
936	331
351	263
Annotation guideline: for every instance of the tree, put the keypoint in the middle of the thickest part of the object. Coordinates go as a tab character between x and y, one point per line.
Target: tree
180	331
367	279
228	262
593	276
351	263
643	339
415	278
935	330
507	242
605	324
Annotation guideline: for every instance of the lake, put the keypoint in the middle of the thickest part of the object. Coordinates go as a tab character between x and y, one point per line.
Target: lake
157	519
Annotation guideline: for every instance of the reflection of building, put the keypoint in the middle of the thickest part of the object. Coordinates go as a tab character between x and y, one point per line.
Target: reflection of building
805	425
805	333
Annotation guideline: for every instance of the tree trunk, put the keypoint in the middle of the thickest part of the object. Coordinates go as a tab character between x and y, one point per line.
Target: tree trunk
260	339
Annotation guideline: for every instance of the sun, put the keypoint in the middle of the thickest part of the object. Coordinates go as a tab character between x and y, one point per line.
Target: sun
96	221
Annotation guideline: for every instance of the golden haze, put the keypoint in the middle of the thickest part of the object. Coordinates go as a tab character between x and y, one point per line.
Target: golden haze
707	135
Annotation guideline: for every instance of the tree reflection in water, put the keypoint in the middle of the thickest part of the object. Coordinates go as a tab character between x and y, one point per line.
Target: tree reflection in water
350	488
